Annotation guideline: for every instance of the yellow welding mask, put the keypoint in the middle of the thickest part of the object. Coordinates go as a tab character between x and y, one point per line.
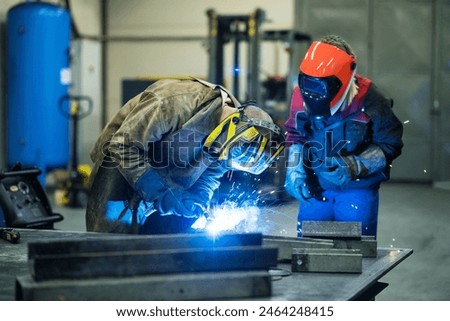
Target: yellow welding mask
244	143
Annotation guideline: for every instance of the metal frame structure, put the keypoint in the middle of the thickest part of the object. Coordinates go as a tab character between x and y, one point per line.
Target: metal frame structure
236	28
224	29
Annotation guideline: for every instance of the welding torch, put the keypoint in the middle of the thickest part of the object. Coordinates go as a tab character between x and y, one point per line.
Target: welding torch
203	209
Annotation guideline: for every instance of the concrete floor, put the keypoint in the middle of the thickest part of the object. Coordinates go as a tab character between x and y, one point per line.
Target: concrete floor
415	216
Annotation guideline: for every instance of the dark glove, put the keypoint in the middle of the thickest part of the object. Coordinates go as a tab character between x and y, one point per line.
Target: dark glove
342	175
181	203
295	181
371	160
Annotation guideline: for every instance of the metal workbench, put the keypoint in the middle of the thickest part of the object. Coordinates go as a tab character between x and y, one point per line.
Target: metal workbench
295	286
340	286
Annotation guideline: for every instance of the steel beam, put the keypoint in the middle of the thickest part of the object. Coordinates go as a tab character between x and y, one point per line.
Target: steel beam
332	229
182	286
326	260
285	245
134	263
368	245
114	243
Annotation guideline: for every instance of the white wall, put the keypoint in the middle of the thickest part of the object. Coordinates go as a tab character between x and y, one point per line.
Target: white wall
86	14
175	18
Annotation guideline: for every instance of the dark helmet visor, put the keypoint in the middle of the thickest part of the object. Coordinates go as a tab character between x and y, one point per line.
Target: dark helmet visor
318	93
257	155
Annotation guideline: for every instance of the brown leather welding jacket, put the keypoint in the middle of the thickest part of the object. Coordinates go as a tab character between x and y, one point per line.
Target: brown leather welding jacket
153	143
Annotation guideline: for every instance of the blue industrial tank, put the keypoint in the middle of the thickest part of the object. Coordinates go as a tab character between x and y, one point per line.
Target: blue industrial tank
38	76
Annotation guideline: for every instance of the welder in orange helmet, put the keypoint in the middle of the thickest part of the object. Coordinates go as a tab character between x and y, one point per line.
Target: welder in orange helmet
342	135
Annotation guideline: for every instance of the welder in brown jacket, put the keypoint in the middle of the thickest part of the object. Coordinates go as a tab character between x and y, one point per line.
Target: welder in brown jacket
159	160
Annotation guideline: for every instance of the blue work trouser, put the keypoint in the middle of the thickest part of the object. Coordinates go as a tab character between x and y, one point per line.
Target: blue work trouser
355	205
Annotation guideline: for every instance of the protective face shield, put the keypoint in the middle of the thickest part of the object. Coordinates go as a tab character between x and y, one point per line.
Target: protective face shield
246	144
325	77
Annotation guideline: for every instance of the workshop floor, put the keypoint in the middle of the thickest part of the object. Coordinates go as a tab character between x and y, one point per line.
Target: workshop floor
415	216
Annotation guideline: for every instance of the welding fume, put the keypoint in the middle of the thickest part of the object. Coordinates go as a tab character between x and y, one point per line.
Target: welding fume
158	161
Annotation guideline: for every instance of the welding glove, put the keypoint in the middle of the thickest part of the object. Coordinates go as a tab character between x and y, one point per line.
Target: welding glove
295	181
180	203
341	175
370	161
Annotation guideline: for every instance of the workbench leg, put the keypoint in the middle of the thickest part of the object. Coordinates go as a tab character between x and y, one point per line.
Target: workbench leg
372	292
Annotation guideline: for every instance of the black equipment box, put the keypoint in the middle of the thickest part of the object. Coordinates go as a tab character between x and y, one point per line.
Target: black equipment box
24	203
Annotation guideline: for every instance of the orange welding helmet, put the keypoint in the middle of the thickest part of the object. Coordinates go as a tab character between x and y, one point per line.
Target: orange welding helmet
325	77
